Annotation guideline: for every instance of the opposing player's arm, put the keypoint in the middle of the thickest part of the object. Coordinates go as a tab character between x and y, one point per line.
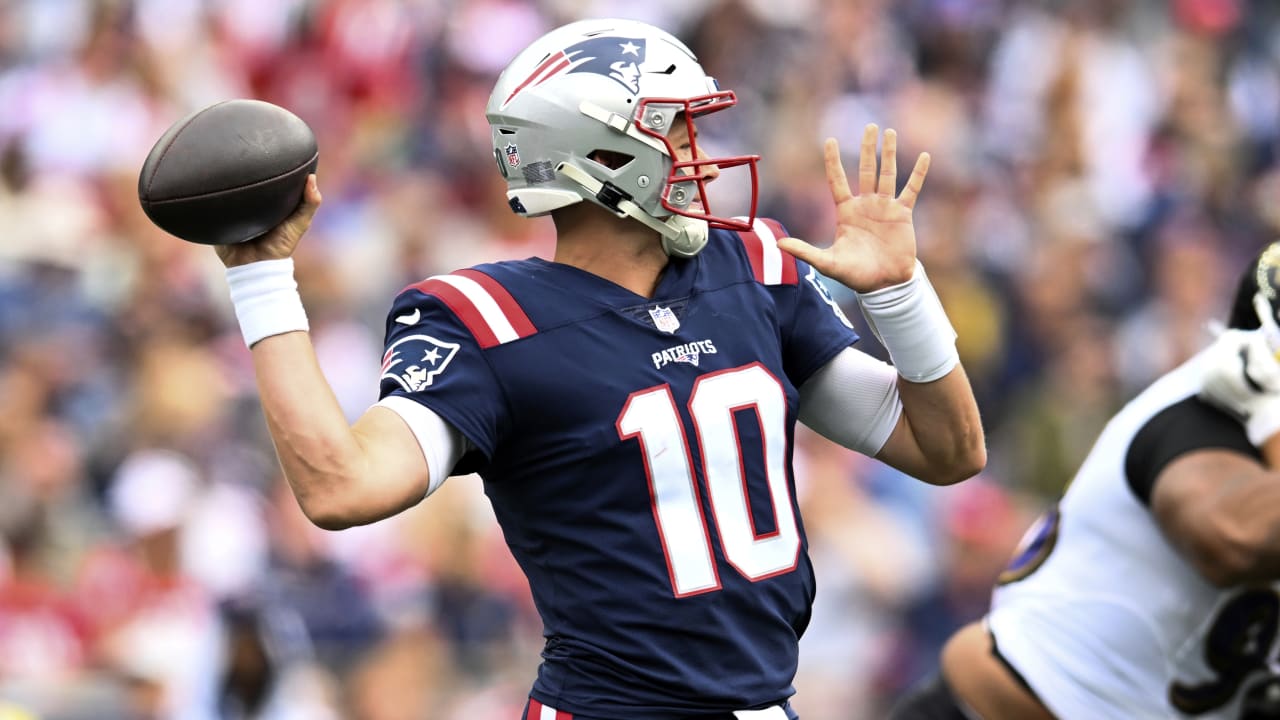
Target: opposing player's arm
1221	509
1207	465
342	475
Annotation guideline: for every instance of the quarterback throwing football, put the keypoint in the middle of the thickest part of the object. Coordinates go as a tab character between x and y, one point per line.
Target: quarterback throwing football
631	404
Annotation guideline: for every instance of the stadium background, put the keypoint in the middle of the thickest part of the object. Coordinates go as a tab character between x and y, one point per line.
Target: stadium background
1101	170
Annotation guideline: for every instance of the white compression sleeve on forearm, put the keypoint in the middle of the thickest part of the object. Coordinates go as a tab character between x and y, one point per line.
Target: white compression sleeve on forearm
442	444
266	299
852	401
909	321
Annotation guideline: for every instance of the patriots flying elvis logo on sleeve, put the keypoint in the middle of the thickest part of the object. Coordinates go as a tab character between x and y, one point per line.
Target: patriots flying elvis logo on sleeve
614	57
413	362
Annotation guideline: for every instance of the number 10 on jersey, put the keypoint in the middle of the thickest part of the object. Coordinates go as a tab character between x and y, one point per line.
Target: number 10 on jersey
651	416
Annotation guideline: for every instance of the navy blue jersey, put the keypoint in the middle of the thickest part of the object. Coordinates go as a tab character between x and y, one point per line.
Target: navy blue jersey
637	452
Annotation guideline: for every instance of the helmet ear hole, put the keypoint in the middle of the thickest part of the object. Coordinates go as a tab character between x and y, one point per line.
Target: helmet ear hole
610	158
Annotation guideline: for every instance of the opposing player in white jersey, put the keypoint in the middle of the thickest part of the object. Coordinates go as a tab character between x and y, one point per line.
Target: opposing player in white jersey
1150	591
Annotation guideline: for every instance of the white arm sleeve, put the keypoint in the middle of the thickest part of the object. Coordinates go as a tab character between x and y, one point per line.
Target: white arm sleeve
852	400
442	445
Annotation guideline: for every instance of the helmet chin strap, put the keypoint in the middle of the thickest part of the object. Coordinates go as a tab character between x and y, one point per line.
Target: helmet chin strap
682	237
691	237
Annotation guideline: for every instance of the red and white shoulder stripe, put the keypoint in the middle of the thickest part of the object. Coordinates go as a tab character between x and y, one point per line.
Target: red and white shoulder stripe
490	313
769	264
538	711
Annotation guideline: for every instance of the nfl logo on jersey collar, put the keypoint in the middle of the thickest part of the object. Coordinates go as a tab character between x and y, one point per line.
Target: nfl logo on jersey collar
664	319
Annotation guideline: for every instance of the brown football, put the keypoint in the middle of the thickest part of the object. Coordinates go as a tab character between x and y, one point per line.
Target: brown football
228	173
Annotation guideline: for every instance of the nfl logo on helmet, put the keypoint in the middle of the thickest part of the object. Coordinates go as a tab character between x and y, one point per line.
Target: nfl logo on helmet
513	155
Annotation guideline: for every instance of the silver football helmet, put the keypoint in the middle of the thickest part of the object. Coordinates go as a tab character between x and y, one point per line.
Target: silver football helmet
615	86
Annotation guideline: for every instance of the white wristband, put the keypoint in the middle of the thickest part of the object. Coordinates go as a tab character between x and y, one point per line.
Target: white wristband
266	300
909	321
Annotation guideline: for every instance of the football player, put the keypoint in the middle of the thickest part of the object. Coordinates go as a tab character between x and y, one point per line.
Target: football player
631	404
1149	591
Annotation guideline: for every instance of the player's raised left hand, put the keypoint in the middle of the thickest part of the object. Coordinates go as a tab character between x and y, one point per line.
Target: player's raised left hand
875	242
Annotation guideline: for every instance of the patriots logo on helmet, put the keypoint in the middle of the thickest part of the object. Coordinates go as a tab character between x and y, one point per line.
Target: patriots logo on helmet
617	58
613	57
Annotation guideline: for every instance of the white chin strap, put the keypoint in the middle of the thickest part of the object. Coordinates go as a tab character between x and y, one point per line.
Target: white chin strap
682	236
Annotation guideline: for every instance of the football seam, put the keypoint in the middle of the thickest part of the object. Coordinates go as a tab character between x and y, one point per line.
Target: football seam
173	140
239	187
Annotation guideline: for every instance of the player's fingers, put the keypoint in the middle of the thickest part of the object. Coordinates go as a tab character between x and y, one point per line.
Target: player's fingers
311	197
889	164
296	225
1267	317
836	179
803	250
916	181
867	160
1260	366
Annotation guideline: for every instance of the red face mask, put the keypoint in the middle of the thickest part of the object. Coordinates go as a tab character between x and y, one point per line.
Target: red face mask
688	176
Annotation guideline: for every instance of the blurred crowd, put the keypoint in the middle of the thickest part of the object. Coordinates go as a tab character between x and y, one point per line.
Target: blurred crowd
1102	170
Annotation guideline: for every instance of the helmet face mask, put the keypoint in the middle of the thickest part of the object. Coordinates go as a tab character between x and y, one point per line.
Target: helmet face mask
679	197
592	93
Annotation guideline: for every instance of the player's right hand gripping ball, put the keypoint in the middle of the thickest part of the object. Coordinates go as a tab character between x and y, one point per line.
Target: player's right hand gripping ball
228	173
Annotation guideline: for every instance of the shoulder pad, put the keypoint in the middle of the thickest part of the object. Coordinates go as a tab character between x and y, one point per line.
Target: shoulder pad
489	312
769	264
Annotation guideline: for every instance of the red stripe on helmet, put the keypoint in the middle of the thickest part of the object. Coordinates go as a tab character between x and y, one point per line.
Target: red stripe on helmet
540	74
